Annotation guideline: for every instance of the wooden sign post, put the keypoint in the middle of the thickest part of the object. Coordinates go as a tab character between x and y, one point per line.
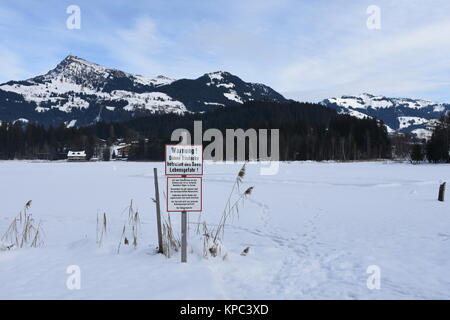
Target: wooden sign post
184	167
441	194
183	236
158	211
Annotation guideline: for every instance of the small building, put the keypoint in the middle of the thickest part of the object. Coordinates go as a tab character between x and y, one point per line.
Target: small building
121	151
76	156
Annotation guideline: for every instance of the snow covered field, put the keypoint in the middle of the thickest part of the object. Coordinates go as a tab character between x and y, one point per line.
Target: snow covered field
313	229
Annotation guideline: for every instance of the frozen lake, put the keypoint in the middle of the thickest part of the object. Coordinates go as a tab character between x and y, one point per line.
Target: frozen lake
313	230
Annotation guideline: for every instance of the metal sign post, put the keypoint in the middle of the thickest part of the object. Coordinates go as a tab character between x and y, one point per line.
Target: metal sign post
158	211
184	167
183	236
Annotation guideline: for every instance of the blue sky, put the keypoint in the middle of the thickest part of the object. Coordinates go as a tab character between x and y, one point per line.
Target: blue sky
307	50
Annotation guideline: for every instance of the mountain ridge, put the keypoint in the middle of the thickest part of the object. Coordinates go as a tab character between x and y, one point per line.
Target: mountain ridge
404	115
80	92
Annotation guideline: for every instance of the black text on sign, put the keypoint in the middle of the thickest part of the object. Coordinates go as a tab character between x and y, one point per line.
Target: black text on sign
184	194
184	160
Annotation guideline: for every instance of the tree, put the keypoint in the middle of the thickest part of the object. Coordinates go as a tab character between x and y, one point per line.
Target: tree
439	145
417	154
307	132
90	147
106	154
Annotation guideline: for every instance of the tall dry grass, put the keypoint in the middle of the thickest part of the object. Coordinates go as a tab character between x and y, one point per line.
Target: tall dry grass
213	237
131	229
23	231
101	229
170	239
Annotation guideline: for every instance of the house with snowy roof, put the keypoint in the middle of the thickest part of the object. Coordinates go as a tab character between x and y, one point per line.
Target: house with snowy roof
121	150
76	156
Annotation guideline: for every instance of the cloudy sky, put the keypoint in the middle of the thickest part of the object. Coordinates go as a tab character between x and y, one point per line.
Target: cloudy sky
306	50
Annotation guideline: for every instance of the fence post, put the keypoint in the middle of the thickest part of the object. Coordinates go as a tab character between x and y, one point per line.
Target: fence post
158	211
441	192
183	236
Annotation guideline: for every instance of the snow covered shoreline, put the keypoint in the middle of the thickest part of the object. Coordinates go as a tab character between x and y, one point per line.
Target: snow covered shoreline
313	229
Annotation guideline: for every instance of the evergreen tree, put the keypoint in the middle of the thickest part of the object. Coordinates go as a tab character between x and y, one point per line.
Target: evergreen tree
438	146
307	132
417	154
106	154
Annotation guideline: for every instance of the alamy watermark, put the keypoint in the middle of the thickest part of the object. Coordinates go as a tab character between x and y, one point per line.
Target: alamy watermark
374	280
73	22
240	145
374	20
73	281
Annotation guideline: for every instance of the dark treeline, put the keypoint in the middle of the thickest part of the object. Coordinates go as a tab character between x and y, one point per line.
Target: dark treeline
437	148
307	132
36	142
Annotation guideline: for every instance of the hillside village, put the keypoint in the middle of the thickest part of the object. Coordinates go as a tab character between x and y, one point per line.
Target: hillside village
118	151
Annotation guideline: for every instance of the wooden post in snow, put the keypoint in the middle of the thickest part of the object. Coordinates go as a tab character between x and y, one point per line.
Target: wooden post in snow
158	211
183	236
441	192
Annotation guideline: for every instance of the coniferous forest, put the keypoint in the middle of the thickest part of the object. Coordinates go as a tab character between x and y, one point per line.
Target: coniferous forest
307	132
437	148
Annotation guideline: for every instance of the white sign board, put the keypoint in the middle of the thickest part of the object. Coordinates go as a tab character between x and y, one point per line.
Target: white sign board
184	159
184	194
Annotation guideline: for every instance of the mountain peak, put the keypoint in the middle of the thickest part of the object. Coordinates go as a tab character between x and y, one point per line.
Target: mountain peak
74	70
73	65
221	78
218	73
404	115
365	94
80	91
217	76
71	59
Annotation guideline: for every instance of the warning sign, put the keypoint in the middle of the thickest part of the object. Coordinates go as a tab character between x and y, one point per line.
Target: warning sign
184	159
184	194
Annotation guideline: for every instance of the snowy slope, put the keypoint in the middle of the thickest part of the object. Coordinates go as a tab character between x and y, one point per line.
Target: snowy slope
313	238
85	92
75	82
218	89
401	114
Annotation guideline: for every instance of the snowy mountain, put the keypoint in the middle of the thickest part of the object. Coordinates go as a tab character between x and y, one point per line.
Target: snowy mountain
218	89
399	114
77	92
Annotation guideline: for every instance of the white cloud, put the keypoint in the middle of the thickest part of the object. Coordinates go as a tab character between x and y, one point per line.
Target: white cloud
137	47
307	50
407	62
10	66
143	49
